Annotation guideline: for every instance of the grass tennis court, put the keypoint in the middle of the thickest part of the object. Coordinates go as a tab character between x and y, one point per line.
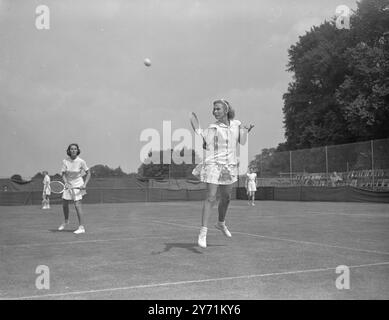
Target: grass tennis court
278	250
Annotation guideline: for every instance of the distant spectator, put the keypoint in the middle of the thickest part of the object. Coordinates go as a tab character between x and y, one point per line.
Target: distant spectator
335	179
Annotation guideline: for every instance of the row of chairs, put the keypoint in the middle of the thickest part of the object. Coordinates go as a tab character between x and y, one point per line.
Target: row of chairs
361	178
379	184
379	173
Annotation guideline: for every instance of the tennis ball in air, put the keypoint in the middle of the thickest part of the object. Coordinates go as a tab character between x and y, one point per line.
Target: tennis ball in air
147	62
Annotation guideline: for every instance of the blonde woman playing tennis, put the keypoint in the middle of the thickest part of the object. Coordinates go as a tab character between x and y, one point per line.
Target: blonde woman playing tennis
219	169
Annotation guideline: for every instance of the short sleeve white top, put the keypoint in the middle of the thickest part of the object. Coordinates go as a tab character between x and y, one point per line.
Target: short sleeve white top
74	170
222	141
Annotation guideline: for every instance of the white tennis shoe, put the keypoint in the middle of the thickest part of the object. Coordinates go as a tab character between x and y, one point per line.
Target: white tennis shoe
62	226
223	229
80	229
202	241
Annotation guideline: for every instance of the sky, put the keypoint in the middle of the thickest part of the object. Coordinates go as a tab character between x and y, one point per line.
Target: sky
83	80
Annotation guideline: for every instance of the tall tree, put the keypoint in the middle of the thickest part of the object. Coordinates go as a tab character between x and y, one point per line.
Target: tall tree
364	94
340	86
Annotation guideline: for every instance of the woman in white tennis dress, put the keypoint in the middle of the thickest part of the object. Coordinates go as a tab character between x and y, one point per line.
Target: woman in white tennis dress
46	191
251	185
73	170
219	169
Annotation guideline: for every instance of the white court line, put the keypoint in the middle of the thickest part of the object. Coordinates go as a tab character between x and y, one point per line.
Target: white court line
165	284
28	245
371	215
282	239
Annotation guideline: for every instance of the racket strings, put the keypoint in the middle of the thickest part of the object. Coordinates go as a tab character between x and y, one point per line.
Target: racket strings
57	186
195	124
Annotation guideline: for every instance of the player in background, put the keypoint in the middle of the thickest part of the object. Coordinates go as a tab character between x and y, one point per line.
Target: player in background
46	191
251	185
73	170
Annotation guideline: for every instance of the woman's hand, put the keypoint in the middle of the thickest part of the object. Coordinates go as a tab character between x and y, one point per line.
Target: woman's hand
243	134
248	128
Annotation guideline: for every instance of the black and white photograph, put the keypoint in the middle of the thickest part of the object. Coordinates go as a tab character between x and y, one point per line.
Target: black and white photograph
205	152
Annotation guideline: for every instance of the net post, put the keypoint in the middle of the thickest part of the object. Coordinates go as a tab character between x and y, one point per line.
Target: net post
32	192
290	166
326	151
372	161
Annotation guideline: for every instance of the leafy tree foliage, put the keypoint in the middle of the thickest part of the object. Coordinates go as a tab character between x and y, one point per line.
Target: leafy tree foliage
103	171
340	88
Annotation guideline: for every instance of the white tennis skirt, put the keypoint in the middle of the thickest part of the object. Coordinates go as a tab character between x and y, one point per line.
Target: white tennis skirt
220	174
74	194
251	186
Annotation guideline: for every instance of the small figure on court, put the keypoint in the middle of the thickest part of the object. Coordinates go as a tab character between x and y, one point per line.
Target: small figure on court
73	170
251	185
219	168
46	191
335	179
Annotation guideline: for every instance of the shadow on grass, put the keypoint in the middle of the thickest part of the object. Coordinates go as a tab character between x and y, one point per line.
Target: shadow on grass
193	247
68	230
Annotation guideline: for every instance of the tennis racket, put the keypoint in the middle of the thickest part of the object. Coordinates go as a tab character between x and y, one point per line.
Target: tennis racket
195	123
58	187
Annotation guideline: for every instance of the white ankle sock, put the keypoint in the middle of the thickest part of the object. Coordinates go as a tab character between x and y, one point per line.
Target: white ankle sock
203	230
